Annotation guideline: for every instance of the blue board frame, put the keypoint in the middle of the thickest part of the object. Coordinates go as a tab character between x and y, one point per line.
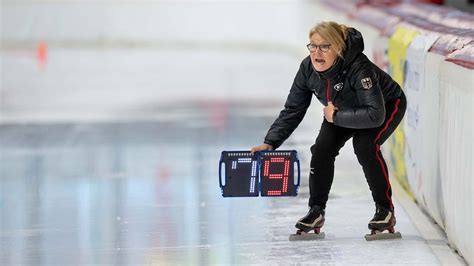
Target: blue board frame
267	173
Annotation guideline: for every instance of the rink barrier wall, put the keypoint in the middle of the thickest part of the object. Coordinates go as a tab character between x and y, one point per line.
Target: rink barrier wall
437	128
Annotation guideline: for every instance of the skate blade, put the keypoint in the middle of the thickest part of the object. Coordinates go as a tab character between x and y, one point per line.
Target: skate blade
383	236
306	236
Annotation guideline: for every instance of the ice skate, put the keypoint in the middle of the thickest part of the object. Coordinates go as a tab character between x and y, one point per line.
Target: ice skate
384	220
313	221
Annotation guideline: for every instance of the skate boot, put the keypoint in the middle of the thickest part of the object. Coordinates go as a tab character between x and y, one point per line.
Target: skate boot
384	220
313	220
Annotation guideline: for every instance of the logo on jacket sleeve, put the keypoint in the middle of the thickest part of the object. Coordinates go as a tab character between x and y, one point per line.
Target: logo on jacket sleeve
366	83
339	86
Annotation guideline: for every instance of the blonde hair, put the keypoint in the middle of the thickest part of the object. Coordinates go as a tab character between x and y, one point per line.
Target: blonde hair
334	33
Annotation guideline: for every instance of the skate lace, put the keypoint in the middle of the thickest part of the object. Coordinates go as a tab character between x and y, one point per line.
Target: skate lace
316	210
380	214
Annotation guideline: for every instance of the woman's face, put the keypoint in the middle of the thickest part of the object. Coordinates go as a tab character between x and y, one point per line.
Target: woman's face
322	60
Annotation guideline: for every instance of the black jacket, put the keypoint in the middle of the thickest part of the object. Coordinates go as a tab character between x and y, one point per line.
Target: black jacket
356	86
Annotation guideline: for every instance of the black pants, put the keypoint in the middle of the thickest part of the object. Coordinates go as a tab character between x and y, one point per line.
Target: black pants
366	144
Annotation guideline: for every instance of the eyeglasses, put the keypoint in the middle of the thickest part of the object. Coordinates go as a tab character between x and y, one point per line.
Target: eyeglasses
314	47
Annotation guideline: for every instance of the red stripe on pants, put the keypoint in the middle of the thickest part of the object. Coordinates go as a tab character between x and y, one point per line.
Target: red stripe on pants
377	151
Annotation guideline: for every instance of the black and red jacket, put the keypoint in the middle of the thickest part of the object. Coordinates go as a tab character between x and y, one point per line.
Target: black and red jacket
356	86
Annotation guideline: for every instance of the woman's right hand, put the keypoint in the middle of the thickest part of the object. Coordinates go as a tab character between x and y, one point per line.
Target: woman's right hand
262	147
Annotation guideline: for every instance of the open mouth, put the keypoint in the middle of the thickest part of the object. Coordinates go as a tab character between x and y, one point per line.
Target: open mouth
320	61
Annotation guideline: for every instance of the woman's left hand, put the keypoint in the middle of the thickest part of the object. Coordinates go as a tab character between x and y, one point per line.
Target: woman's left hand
329	112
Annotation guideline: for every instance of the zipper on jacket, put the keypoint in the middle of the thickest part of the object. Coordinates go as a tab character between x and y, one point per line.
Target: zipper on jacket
328	94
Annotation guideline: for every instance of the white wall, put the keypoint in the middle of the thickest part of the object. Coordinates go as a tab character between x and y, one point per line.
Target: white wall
438	134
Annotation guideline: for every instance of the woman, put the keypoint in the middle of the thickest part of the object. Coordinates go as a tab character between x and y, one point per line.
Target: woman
361	101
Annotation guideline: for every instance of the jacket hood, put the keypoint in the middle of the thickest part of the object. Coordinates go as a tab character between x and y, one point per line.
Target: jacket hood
354	47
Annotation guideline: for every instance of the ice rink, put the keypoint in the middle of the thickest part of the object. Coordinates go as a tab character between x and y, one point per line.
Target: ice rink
109	155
